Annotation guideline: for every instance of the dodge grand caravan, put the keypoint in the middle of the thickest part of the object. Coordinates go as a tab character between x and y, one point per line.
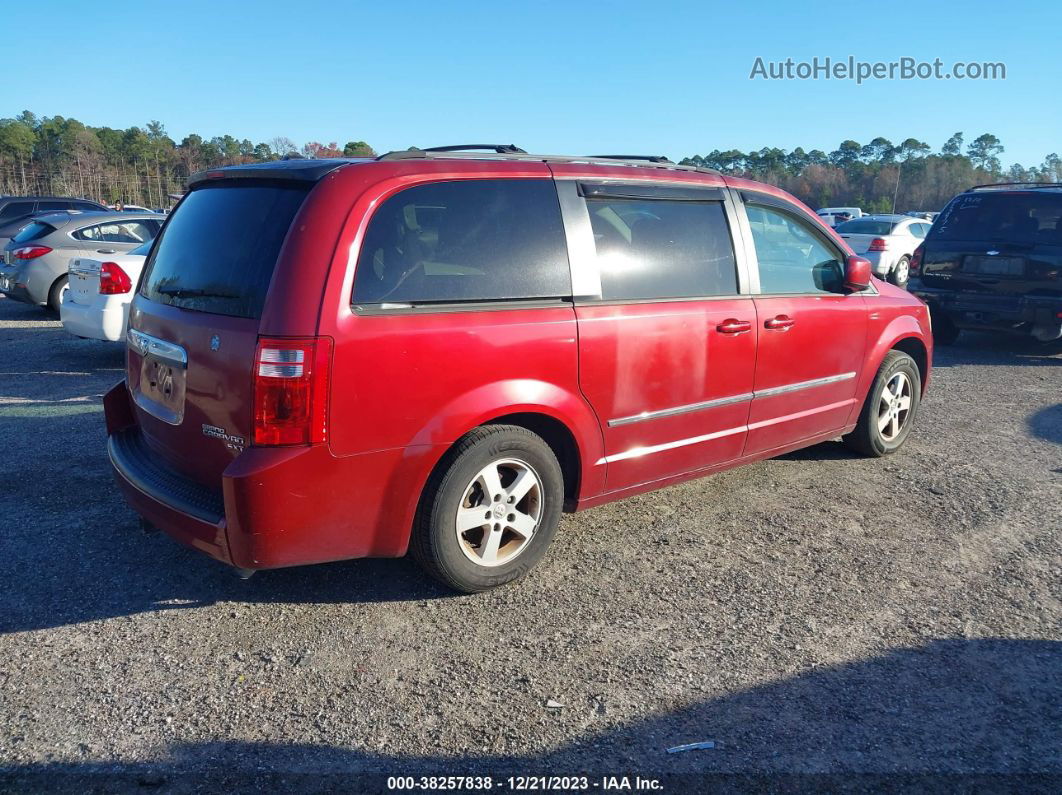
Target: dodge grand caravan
439	351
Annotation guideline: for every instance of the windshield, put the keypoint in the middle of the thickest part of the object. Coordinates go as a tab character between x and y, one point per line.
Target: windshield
33	231
861	227
218	250
1002	217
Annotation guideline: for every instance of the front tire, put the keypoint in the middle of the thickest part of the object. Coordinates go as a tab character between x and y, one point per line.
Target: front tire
890	408
901	274
489	510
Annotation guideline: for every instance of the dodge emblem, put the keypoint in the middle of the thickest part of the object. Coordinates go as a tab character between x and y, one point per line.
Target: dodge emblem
215	342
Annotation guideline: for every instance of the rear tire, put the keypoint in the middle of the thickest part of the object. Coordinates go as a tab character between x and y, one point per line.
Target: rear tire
901	274
945	332
890	408
490	509
55	295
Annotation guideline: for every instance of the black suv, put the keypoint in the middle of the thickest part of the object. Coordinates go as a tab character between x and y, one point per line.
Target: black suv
993	260
15	211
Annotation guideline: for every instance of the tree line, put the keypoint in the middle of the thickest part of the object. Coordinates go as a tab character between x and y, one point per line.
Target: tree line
144	165
881	176
140	165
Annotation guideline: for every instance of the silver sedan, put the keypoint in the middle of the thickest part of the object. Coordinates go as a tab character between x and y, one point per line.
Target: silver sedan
35	261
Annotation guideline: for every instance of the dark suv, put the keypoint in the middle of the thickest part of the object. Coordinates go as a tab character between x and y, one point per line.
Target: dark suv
993	260
15	211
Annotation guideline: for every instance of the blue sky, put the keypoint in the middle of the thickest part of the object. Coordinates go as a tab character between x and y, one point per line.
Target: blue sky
659	77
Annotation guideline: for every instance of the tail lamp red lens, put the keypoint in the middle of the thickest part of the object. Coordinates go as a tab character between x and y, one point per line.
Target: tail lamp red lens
878	244
916	259
114	280
291	390
30	252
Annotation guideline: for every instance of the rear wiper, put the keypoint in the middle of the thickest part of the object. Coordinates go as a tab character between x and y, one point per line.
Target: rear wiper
184	292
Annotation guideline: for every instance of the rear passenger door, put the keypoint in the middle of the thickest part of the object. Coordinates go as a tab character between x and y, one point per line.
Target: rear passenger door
667	337
812	334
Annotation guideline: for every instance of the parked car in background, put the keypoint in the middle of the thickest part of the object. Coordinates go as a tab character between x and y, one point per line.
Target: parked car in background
37	259
888	241
332	359
96	305
832	216
15	211
993	261
925	215
136	208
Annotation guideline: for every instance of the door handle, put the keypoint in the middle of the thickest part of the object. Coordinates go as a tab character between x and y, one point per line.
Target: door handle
732	326
106	251
779	323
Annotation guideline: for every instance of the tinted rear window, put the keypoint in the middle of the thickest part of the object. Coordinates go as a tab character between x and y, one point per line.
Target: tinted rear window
860	227
13	210
468	240
218	251
1002	217
33	231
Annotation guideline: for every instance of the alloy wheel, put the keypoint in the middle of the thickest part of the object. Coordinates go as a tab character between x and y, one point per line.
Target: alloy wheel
499	512
894	406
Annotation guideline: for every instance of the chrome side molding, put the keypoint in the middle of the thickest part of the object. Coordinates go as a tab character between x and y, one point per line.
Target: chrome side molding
146	345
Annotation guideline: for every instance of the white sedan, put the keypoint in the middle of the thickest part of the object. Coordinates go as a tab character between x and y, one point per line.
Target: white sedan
97	304
888	241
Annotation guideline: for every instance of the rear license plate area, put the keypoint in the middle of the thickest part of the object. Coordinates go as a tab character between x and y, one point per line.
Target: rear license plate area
994	266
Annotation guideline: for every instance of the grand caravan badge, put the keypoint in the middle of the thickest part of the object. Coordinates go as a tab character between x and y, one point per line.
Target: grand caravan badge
232	441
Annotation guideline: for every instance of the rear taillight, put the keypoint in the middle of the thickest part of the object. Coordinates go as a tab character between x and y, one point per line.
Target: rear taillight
916	258
113	280
291	390
878	244
30	252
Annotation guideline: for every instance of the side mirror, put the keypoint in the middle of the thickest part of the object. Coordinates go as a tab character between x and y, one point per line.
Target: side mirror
856	274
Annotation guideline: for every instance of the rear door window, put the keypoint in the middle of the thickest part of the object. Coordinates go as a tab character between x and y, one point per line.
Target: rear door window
659	248
218	252
134	232
1002	217
53	206
467	240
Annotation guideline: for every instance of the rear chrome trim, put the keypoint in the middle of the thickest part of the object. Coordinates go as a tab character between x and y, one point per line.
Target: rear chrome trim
655	415
781	390
726	401
145	344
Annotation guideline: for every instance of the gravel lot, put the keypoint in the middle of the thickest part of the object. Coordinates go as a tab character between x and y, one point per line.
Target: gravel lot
816	613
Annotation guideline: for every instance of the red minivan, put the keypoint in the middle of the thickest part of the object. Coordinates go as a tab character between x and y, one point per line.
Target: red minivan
439	351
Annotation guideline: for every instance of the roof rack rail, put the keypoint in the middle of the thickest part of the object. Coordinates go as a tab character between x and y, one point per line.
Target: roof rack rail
1016	184
416	151
646	158
631	161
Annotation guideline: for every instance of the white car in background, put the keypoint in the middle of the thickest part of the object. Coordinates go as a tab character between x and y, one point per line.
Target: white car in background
888	241
97	304
829	214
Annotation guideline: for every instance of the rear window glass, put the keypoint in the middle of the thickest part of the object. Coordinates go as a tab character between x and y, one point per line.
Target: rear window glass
860	227
662	249
13	210
219	249
1002	217
468	240
33	231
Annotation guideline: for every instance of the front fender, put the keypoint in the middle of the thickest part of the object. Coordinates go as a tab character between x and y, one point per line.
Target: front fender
883	336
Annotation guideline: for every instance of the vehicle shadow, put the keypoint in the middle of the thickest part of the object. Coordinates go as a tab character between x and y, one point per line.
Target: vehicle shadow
824	451
980	348
1047	423
921	717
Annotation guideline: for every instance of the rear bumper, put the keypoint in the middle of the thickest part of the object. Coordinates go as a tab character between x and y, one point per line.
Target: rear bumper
10	278
273	507
102	321
977	310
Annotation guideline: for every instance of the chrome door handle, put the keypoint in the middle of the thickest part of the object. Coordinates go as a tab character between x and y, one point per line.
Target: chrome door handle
733	326
779	323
